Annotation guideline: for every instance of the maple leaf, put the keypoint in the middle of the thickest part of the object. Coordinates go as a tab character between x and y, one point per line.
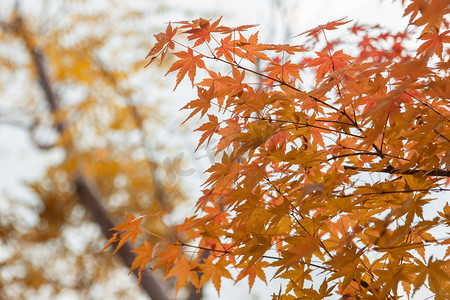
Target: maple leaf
329	26
228	49
202	104
203	32
253	272
322	293
217	214
214	271
221	170
413	8
435	270
168	256
228	133
164	43
127	231
144	254
284	72
183	269
303	247
209	128
257	135
187	64
328	64
356	28
231	86
432	13
344	262
252	48
434	42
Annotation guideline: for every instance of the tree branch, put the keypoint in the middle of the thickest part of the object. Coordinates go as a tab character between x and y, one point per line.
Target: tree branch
440	172
91	201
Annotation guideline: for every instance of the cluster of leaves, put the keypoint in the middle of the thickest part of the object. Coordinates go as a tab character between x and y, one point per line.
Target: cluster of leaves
332	178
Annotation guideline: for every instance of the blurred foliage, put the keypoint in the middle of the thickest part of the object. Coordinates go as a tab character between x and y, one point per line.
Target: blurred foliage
93	53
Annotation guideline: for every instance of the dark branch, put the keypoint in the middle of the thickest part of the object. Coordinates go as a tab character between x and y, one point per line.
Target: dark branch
440	172
91	201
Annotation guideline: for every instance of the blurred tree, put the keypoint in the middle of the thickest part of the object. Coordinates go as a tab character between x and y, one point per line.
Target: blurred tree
72	71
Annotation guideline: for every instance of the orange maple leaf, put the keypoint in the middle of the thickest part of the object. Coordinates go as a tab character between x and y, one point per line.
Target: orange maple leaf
127	231
228	49
434	42
183	268
144	254
202	104
228	133
203	32
164	43
302	248
208	128
328	64
187	63
231	86
168	257
284	71
357	28
253	48
253	272
215	271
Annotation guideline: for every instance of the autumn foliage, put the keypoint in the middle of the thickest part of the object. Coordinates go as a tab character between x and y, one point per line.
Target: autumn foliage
330	154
